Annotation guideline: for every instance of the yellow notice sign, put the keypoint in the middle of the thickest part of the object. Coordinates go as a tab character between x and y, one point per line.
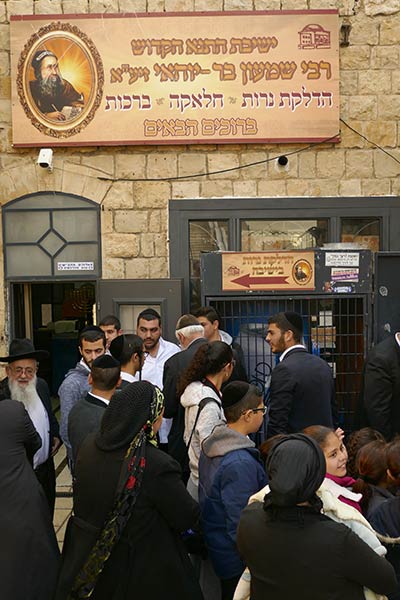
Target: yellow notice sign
268	271
179	78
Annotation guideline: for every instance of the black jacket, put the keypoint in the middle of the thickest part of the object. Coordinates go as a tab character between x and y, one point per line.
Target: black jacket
84	418
302	393
384	515
150	560
298	553
44	395
381	388
28	547
173	369
44	472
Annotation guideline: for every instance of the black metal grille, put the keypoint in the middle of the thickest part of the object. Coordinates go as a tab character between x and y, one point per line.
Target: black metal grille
335	328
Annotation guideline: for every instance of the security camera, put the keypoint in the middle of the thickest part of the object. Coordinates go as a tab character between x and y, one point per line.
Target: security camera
282	163
45	159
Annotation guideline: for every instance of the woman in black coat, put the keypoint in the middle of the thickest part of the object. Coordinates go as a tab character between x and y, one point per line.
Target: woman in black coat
130	506
294	551
29	555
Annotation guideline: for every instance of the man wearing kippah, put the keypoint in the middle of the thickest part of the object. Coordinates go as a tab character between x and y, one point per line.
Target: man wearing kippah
302	387
50	91
190	335
91	345
86	415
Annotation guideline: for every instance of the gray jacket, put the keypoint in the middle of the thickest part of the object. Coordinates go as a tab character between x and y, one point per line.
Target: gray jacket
74	387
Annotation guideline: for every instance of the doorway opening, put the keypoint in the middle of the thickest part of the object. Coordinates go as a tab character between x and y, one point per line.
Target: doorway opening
52	314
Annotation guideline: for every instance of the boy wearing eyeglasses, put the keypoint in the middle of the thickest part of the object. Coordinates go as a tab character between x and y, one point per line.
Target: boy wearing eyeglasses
230	471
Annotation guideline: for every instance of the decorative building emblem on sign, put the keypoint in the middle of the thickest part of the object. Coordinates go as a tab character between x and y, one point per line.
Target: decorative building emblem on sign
314	36
60	79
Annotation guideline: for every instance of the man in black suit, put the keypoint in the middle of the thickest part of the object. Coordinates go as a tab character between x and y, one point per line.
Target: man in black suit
22	384
190	335
381	387
302	387
85	416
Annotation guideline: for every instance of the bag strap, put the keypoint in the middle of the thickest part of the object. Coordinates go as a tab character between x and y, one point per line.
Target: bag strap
202	404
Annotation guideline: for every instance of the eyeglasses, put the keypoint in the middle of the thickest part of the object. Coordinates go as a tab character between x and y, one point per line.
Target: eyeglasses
263	410
29	371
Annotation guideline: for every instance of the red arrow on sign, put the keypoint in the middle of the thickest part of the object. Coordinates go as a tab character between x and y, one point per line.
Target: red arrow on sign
247	281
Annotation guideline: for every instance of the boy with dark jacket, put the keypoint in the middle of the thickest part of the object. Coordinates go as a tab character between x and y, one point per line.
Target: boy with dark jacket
230	472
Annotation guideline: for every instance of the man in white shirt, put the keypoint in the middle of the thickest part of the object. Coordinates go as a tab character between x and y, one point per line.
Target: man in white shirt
22	385
159	350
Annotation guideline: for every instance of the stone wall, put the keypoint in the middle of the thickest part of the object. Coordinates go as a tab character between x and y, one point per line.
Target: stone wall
135	214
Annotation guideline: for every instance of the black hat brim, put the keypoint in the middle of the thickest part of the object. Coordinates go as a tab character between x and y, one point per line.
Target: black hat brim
36	355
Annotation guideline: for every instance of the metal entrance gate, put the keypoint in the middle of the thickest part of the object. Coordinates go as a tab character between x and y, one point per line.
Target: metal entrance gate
337	325
334	329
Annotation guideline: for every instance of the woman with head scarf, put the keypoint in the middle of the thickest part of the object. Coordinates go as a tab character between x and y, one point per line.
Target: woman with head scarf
295	551
130	507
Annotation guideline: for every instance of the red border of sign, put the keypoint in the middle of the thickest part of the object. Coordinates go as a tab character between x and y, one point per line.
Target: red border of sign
64	17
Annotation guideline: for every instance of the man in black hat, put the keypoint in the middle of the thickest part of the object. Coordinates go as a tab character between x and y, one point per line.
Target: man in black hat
50	91
86	415
22	384
302	388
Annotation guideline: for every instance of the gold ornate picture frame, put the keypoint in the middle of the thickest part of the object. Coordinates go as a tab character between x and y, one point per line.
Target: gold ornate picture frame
80	65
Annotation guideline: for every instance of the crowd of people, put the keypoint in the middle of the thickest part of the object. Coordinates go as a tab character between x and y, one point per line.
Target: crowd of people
171	497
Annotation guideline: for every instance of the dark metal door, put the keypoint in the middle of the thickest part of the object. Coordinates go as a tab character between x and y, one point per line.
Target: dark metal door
125	298
387	294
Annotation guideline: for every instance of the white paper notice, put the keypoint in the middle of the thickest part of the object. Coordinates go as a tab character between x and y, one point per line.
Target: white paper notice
75	266
342	259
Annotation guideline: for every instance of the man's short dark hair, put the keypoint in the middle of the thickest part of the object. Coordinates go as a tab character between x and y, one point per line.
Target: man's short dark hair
92	333
105	379
237	397
288	321
149	314
209	313
125	346
110	320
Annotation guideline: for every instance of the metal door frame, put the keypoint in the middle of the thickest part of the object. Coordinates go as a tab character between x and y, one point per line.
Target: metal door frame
235	209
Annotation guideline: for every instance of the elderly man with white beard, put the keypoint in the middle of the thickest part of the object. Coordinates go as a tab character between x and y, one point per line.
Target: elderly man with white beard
22	385
50	91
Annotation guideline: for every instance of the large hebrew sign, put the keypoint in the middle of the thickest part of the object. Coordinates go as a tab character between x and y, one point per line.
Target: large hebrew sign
175	78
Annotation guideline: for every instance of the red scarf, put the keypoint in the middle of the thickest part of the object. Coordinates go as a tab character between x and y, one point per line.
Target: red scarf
346	482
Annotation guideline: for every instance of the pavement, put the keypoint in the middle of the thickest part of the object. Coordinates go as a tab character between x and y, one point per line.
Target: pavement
63	507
